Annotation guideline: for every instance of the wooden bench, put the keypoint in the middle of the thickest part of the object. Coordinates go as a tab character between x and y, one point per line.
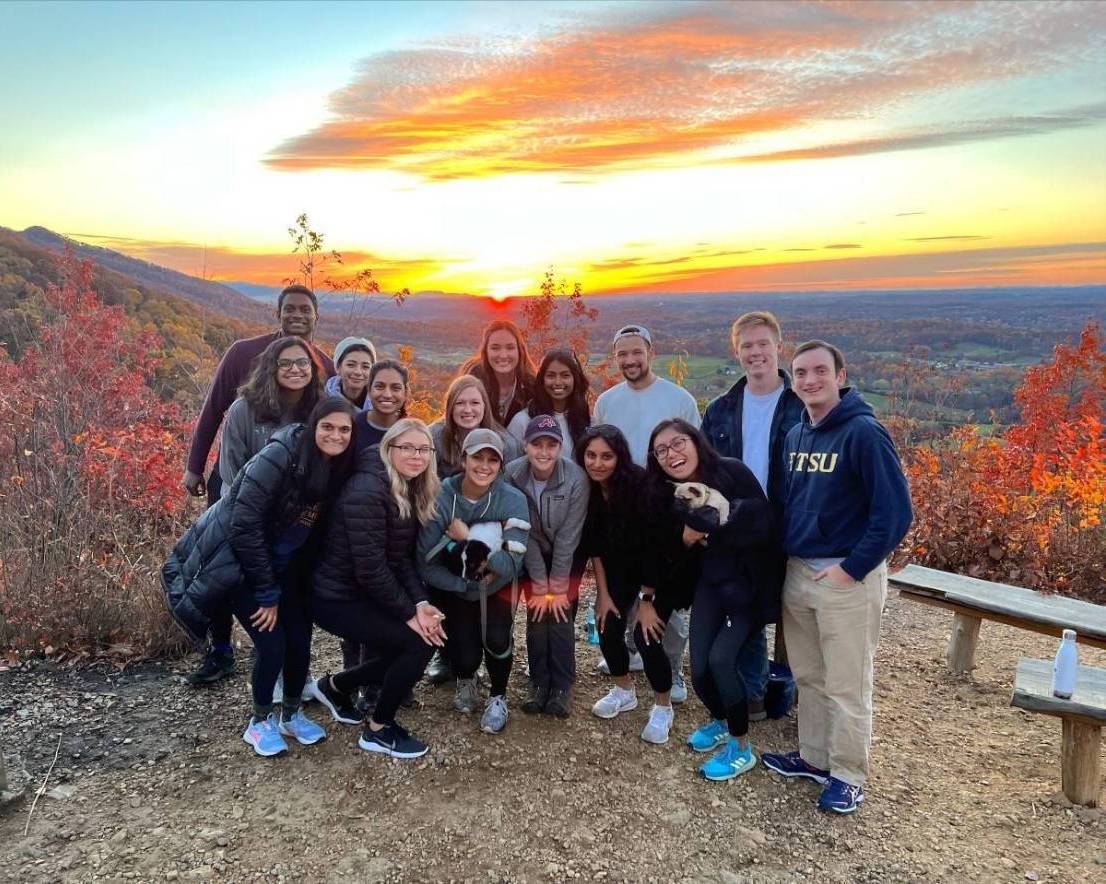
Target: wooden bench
1082	717
973	601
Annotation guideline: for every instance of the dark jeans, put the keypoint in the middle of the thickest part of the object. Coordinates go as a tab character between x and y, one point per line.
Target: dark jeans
719	630
550	644
287	647
221	619
397	655
752	662
466	649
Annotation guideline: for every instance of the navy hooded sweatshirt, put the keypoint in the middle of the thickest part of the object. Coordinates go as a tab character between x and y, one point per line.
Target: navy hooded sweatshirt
846	495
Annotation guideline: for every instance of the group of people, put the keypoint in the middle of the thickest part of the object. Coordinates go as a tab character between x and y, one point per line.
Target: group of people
416	544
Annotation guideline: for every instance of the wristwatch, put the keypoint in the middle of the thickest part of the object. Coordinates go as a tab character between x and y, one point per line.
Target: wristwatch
646	596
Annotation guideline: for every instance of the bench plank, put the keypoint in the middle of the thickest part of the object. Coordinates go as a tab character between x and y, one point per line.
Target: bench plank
999	601
1033	691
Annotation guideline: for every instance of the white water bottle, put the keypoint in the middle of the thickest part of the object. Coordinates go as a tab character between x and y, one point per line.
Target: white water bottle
1063	670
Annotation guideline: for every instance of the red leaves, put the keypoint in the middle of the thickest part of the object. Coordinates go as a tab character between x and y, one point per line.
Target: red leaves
1027	506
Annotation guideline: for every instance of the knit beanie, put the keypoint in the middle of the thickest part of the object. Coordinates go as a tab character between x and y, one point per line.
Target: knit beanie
347	344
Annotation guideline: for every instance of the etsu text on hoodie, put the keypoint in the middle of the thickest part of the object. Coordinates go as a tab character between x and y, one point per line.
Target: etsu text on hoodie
846	495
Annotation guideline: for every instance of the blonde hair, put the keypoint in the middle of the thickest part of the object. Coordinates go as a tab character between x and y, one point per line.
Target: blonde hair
422	491
748	320
453	436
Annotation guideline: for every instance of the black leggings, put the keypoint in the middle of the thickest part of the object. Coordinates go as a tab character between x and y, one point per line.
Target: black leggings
221	619
466	649
612	640
719	629
287	647
397	659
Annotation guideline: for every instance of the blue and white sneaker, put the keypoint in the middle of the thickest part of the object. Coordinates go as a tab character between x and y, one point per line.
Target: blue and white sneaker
732	761
265	737
840	797
708	736
495	715
791	764
393	741
306	731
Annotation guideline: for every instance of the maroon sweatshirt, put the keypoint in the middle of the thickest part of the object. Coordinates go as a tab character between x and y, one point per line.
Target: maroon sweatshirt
232	372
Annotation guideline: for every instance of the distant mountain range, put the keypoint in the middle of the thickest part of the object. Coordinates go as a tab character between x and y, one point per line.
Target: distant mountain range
213	295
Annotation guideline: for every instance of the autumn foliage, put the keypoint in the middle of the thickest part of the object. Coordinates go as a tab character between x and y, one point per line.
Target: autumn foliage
89	496
1027	505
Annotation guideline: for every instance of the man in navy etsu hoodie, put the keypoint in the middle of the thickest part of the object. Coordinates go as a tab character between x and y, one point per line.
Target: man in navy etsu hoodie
846	508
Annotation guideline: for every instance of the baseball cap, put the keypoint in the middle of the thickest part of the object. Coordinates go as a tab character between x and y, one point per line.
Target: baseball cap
347	344
640	330
543	425
481	438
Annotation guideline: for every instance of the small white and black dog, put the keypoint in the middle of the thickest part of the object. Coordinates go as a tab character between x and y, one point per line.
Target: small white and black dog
469	558
709	507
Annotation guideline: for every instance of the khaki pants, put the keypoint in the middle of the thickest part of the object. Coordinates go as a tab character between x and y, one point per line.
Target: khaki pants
831	636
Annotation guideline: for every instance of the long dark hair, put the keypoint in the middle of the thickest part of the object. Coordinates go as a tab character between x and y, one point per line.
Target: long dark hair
623	486
400	369
317	476
262	391
577	413
479	366
708	458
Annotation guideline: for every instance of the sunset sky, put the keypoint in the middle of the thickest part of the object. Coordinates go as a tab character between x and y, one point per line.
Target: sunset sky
631	146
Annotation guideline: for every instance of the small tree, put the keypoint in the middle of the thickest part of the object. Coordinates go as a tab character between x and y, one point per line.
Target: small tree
556	317
315	263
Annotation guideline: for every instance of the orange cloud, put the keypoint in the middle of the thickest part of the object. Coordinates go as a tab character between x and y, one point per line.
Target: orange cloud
684	82
262	268
1063	264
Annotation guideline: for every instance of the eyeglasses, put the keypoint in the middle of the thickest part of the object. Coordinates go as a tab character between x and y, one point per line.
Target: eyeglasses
286	364
411	450
679	444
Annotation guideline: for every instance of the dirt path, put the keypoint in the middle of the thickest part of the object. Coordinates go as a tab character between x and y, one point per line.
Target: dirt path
963	787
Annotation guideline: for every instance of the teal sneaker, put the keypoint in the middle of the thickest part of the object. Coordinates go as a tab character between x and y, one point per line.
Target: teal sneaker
709	736
265	737
305	731
730	762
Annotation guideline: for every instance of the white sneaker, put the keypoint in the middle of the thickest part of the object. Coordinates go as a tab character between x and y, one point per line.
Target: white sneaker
635	664
679	688
278	689
617	700
305	695
660	722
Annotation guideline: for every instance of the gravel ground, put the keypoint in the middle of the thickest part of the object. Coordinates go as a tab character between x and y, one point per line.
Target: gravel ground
154	783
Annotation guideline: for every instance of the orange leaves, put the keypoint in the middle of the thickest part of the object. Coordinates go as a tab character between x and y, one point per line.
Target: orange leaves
1028	505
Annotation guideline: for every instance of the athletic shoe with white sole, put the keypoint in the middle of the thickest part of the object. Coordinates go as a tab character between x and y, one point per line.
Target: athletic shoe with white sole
616	700
791	764
732	761
840	797
495	715
265	737
339	704
659	724
305	731
466	695
679	688
636	664
708	736
393	741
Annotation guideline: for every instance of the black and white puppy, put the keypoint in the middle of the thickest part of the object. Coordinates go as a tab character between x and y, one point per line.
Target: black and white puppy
469	558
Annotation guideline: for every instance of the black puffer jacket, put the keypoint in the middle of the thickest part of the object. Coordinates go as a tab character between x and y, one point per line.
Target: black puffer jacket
230	545
369	551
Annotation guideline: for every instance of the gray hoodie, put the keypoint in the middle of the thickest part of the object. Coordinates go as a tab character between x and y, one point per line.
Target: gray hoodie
500	503
556	521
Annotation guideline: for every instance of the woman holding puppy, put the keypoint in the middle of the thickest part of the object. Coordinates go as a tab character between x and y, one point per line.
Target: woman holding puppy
367	590
732	594
557	494
480	609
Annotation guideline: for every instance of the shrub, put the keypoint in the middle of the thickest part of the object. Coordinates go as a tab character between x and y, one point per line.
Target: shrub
89	501
1028	505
